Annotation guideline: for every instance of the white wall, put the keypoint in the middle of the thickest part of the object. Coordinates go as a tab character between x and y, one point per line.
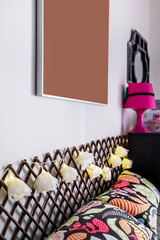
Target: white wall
154	46
32	125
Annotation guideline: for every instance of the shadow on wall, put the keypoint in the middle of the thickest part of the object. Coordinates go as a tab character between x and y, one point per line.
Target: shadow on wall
33	48
128	115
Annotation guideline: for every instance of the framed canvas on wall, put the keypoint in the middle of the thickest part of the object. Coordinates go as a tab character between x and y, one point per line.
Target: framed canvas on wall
72	49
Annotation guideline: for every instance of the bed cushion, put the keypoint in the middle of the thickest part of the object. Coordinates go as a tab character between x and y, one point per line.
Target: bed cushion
98	221
135	195
143	181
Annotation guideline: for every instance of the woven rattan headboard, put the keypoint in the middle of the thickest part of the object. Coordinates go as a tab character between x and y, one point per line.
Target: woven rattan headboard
35	217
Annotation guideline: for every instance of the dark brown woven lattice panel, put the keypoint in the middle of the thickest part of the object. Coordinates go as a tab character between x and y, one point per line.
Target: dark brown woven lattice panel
35	217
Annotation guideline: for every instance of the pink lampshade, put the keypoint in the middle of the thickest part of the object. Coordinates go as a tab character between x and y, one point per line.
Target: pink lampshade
140	96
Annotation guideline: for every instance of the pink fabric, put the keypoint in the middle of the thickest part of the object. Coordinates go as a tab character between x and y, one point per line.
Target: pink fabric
90	227
140	101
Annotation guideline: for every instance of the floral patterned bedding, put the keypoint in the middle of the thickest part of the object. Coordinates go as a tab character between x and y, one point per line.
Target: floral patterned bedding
127	211
98	221
135	195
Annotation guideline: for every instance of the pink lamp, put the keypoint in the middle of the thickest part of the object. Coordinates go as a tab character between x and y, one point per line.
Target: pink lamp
140	97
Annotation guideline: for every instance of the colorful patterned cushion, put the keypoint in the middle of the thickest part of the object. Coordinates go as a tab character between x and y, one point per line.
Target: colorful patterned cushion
143	181
99	221
135	195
